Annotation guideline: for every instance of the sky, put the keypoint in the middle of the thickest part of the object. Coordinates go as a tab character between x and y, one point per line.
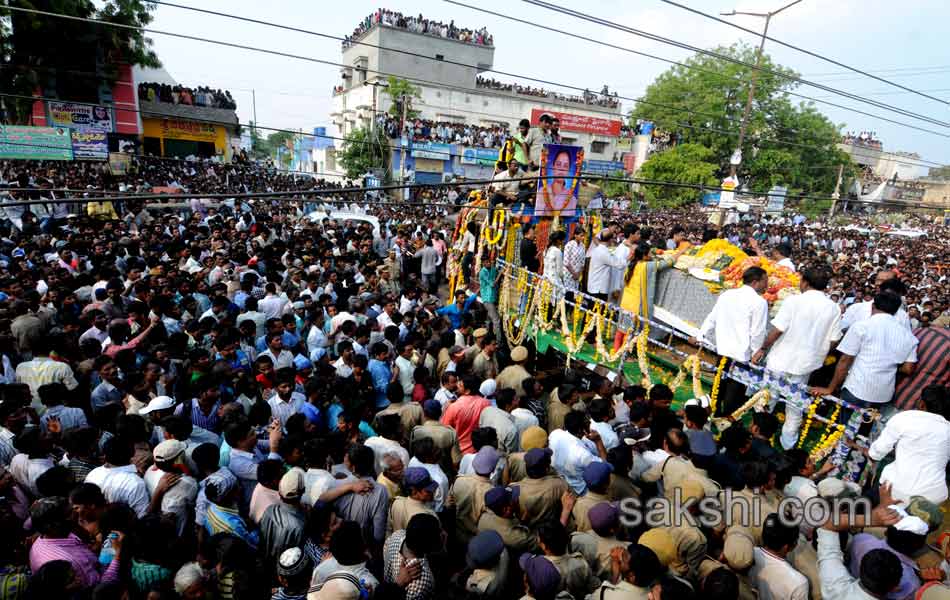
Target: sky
898	41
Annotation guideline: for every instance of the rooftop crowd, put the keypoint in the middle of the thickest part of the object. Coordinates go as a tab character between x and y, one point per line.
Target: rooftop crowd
241	402
446	132
603	99
179	94
867	139
418	24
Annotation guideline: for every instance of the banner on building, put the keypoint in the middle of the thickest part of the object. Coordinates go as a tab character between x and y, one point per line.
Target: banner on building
727	196
178	129
81	117
119	163
479	156
557	187
629	162
35	143
625	144
432	150
582	123
602	167
90	145
775	201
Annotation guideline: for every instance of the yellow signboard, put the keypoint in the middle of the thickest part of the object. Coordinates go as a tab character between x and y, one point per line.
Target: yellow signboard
180	129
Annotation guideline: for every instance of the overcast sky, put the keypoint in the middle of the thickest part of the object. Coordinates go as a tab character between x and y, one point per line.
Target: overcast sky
900	41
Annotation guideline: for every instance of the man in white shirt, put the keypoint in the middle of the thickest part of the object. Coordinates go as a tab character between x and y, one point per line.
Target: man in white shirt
781	254
624	251
872	351
118	478
602	261
738	320
886	281
920	440
275	351
771	574
178	501
252	314
575	447
272	305
505	184
803	331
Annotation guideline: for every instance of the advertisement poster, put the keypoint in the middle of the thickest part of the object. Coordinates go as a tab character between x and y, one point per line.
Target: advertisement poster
90	145
81	117
485	157
629	162
119	163
557	188
727	197
603	167
432	150
775	200
583	123
35	143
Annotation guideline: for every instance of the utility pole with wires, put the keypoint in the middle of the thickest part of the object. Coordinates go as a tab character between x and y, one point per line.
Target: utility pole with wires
402	146
736	158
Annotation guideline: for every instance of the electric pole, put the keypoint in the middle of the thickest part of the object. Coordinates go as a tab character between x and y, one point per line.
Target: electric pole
736	159
402	147
836	194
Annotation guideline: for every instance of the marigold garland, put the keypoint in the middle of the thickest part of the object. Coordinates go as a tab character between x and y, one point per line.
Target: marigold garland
809	417
504	307
759	399
574	340
643	360
611	356
542	305
494	231
714	394
824	448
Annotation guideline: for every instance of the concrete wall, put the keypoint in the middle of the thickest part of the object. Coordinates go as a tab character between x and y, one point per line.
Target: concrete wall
936	192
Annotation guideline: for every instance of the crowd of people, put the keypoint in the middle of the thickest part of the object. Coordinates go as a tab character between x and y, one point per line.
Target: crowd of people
418	24
866	139
446	132
604	99
179	94
241	402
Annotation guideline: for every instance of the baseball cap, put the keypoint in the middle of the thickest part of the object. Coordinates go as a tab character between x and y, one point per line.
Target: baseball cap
168	450
543	577
419	478
498	498
158	403
603	516
537	456
485	460
291	485
484	549
597	474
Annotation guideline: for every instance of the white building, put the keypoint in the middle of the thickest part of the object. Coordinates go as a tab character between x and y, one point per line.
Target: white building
446	71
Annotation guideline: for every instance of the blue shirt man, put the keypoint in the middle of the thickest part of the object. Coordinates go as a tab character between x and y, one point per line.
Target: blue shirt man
455	310
381	373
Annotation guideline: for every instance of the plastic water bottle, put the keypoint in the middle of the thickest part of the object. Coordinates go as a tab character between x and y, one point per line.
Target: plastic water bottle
106	554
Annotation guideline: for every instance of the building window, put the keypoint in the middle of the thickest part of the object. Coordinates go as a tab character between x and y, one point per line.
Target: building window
439	57
598	147
467	100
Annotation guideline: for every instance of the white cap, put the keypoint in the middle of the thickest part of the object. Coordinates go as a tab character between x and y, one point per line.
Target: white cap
158	403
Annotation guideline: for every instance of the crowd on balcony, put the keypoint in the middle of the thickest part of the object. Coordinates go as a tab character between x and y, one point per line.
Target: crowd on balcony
424	130
179	94
419	24
605	98
866	139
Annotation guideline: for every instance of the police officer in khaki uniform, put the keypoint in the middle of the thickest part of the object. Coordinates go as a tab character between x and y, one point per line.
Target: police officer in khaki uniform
421	493
597	477
468	493
576	576
633	570
531	438
501	504
737	556
597	544
541	490
689	539
443	436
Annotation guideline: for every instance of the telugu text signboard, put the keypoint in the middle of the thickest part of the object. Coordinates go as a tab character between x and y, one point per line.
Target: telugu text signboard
35	143
432	150
90	145
582	123
603	167
81	117
479	156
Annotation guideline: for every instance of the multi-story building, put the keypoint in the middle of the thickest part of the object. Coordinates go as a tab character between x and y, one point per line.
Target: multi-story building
453	93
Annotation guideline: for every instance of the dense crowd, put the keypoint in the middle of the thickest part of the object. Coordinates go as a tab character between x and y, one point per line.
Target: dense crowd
603	99
179	94
418	24
242	402
867	139
446	132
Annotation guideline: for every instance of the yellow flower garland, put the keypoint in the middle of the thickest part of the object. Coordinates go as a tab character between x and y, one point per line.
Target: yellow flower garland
574	340
494	231
823	449
507	319
714	394
830	425
809	417
643	360
611	356
542	306
759	399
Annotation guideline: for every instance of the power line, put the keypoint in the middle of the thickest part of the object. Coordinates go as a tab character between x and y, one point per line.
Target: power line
805	51
320	61
686	66
696	49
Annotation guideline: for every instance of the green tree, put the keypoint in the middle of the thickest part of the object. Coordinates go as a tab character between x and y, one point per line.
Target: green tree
703	105
259	146
684	163
65	58
363	151
398	89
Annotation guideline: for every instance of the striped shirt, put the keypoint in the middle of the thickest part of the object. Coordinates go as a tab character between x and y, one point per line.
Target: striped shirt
42	370
71	549
209	421
221	519
284	409
879	346
13	582
933	366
